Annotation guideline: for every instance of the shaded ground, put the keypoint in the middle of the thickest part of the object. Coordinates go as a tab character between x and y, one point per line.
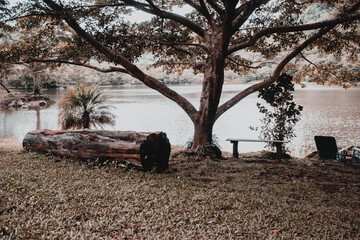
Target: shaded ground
46	197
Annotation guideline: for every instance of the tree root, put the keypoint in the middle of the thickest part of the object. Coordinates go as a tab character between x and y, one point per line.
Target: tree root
209	151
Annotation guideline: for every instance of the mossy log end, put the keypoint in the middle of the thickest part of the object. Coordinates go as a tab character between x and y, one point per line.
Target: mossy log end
137	148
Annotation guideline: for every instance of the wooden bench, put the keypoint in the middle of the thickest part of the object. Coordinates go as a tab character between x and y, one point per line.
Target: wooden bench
235	142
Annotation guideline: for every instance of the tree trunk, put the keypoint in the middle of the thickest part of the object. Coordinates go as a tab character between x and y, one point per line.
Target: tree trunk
38	122
36	86
141	149
86	119
209	102
203	143
202	134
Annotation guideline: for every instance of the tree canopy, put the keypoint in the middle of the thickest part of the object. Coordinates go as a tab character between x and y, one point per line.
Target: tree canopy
212	37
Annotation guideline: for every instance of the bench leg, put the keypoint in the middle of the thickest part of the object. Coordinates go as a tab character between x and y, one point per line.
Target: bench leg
235	149
278	151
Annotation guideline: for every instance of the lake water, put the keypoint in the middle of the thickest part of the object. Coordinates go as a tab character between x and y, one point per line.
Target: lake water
327	111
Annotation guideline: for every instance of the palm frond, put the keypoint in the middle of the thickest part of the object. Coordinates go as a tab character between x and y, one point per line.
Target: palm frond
84	105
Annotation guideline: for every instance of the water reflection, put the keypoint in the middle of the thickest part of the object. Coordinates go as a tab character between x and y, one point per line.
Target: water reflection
327	111
17	123
333	112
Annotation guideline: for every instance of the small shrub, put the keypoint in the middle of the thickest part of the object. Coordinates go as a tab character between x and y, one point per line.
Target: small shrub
83	107
279	121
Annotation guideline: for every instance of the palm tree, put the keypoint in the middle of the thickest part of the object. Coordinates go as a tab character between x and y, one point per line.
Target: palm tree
83	107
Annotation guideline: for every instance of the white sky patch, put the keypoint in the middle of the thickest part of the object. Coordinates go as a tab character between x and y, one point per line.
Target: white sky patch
140	16
13	2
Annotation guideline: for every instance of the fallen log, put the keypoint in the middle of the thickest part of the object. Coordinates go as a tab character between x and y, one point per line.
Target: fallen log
136	148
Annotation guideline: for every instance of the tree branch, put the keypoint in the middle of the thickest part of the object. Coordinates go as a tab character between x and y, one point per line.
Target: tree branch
298	50
192	55
276	73
243	65
203	10
322	69
6	89
283	29
354	8
303	3
207	14
103	70
97	6
247	9
306	59
91	8
154	10
130	67
181	50
217	8
184	44
26	16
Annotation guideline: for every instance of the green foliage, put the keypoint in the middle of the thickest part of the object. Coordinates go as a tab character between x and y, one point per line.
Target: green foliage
110	79
42	34
278	123
27	81
83	107
24	81
16	83
49	84
4	11
174	80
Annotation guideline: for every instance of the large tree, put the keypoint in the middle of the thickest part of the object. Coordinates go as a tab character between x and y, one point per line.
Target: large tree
214	35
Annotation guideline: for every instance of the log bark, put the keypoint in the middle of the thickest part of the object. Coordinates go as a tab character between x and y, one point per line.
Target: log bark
137	148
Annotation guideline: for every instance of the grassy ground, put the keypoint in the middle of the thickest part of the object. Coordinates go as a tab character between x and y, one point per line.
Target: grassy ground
46	197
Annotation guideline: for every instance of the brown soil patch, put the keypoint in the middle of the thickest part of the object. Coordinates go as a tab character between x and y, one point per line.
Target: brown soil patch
9	145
